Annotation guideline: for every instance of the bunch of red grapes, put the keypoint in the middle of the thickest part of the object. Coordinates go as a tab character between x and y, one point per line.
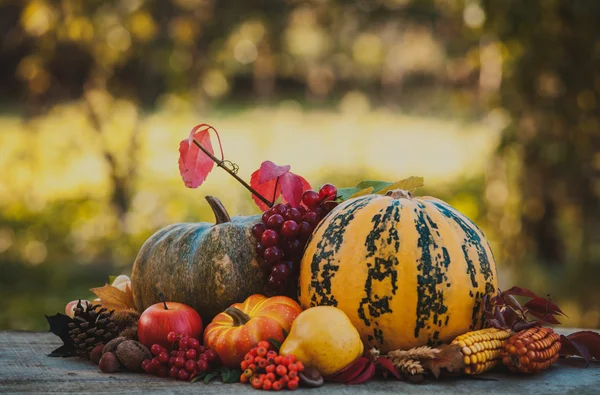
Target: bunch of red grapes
284	231
187	359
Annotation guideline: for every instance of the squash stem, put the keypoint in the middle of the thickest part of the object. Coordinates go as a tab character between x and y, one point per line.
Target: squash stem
238	316
162	299
220	163
221	214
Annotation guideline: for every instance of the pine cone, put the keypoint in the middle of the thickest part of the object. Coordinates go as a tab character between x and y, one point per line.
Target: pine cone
91	326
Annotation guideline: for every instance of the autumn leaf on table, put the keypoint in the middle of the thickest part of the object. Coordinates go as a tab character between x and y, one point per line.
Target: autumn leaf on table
272	181
450	358
585	344
113	298
194	165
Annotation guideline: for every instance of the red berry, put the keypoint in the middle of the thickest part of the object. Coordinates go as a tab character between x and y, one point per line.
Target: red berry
183	375
191	354
285	361
279	208
163	357
190	365
289	229
256	383
257	359
252	367
263	343
312	218
202	366
244	379
281	370
280	271
266	215
310	198
269	238
211	356
327	191
171	361
292	374
275	284
248	358
262	363
173	371
270	377
193	343
258	229
267	385
320	211
275	221
300	365
305	229
200	349
277	386
270	368
184	335
173	353
156	349
171	337
261	351
244	365
163	371
292	358
202	357
292	385
293	214
253	351
180	362
272	254
145	363
183	343
278	360
271	353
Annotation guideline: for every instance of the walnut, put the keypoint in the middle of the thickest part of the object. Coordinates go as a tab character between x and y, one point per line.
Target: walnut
112	345
132	353
109	363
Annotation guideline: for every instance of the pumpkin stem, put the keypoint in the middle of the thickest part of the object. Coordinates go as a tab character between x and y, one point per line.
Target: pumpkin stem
399	194
221	214
162	299
238	316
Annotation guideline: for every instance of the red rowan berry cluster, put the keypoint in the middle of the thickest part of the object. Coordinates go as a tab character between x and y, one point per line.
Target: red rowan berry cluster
187	359
265	369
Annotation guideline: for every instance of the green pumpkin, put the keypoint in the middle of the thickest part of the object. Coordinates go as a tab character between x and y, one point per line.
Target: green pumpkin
203	265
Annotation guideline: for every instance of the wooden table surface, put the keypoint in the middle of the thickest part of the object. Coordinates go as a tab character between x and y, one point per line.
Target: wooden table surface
25	368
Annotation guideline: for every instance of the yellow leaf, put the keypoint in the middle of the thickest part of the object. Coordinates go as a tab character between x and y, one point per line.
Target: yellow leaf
113	298
408	184
362	192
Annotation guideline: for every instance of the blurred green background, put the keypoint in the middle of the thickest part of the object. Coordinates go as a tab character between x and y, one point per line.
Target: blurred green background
494	102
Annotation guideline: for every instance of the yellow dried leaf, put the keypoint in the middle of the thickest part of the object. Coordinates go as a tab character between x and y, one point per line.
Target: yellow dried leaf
113	298
408	184
362	192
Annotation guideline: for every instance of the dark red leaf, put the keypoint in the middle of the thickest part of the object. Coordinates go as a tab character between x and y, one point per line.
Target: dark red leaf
291	185
350	372
387	366
540	307
366	374
521	325
269	171
194	165
520	292
585	344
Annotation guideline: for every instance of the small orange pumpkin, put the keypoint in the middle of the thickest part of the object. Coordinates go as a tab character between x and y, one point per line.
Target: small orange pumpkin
232	333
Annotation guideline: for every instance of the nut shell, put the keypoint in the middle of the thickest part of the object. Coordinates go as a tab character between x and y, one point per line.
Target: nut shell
131	354
96	353
112	345
109	363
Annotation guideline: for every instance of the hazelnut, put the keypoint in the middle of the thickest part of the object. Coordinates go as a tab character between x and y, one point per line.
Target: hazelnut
131	354
96	353
112	345
109	363
311	377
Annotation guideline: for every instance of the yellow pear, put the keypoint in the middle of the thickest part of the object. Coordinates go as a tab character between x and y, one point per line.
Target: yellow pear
324	338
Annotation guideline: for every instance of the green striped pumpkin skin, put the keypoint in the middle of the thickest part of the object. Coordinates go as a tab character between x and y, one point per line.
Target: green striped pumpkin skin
206	266
407	271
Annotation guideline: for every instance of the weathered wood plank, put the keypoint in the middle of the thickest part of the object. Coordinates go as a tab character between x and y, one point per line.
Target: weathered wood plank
24	368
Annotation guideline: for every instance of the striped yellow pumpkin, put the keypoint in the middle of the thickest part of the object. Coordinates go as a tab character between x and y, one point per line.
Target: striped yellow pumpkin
407	271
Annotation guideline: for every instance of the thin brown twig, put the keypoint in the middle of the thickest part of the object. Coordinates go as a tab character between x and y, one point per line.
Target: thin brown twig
220	162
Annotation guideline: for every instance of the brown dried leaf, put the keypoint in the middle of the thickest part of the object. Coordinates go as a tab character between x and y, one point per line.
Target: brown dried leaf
113	298
449	358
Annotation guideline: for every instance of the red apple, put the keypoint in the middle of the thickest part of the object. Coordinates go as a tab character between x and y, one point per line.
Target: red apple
161	318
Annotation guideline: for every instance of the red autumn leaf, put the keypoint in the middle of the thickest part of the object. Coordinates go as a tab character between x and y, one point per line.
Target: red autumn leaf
194	165
388	367
542	307
585	344
350	372
269	175
366	374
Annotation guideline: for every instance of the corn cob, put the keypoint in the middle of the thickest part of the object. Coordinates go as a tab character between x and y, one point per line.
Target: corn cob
481	349
531	350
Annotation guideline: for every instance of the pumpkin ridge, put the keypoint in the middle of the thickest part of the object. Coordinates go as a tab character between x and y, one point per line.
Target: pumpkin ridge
381	269
433	271
323	259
